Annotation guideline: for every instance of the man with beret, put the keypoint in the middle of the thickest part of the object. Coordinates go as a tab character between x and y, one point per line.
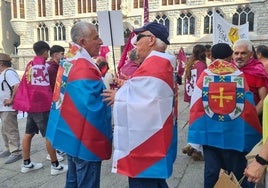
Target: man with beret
223	117
145	129
9	80
221	51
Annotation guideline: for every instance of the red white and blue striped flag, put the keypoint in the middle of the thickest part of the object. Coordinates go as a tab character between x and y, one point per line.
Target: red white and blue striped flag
79	121
145	133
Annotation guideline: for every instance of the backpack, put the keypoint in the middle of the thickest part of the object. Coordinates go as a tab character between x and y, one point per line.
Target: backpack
5	81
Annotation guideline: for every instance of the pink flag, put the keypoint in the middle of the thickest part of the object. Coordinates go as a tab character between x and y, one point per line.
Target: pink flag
103	51
181	59
146	11
127	48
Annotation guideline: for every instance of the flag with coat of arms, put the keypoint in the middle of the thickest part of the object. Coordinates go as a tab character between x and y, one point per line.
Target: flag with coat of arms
222	111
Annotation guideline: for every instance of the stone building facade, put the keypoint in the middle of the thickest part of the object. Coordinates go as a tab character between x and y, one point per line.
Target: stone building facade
8	37
51	20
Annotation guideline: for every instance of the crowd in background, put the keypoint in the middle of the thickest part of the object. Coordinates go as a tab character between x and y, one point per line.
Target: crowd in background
81	96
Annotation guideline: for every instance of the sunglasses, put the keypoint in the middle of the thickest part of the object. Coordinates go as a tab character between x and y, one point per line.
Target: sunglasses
139	36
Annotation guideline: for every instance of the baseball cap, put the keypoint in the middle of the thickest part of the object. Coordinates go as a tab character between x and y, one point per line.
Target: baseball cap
4	57
155	28
221	51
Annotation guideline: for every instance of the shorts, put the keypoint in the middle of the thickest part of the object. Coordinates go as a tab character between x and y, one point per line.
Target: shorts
37	121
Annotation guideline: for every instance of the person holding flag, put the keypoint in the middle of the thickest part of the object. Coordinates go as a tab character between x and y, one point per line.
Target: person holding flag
34	96
145	113
223	117
79	121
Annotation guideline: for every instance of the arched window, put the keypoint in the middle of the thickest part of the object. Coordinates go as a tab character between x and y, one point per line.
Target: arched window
185	24
163	20
42	32
208	21
242	16
59	32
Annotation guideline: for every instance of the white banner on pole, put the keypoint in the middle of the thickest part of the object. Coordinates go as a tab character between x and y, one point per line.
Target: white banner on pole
224	32
111	27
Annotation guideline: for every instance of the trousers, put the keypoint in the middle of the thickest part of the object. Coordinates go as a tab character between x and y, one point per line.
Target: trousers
82	174
10	130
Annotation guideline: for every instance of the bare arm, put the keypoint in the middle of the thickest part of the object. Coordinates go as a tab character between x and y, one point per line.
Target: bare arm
262	91
255	170
8	102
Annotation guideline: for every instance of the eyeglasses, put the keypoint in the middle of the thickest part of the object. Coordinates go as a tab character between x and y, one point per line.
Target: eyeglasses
141	36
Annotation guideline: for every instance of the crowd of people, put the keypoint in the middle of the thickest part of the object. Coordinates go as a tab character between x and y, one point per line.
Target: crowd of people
72	101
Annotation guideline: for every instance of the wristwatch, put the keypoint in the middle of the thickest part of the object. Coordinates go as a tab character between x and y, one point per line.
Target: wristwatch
261	160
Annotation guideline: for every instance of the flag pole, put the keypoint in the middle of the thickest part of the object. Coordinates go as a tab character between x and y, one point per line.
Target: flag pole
112	42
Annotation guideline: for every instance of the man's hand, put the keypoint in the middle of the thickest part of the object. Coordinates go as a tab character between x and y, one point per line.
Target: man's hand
254	171
119	82
8	102
109	95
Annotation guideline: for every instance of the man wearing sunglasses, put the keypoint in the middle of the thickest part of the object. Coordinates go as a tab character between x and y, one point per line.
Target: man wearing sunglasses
145	129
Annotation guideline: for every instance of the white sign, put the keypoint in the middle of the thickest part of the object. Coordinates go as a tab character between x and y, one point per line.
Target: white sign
111	27
224	32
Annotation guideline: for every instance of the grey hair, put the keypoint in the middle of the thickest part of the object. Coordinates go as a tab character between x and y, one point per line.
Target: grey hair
161	45
80	30
243	42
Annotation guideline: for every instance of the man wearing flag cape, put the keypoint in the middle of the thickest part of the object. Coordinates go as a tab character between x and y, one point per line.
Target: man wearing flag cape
145	113
254	71
79	121
223	117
